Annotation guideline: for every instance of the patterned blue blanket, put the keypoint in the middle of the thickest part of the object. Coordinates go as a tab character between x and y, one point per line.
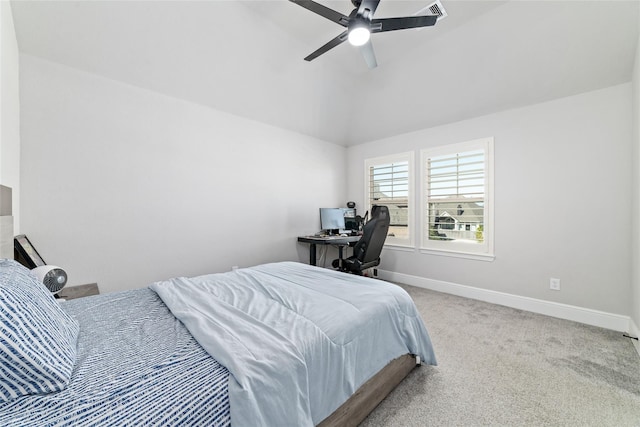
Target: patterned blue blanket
137	365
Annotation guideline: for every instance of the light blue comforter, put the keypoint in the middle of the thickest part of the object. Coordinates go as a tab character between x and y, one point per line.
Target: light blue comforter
297	339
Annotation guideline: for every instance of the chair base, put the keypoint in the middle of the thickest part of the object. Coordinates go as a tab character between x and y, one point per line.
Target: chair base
351	265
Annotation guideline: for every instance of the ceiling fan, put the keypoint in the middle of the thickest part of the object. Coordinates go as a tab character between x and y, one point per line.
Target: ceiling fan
360	24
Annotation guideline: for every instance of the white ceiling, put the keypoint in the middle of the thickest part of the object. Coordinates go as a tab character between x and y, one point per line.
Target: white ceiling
246	57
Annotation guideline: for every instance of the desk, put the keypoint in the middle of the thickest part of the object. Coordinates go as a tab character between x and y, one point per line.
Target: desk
327	240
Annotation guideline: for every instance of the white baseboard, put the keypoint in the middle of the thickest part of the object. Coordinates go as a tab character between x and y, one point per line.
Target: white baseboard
587	316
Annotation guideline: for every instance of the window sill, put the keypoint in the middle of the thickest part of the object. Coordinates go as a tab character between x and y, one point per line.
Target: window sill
456	254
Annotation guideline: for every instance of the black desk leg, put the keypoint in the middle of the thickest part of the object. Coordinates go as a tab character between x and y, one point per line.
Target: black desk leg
312	254
340	257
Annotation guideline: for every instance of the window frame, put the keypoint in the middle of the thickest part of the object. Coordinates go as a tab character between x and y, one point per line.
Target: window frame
482	251
408	157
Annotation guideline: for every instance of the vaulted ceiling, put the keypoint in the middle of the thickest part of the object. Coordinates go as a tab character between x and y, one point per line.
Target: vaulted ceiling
246	57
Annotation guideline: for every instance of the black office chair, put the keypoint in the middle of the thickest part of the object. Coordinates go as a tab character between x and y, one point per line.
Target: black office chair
366	252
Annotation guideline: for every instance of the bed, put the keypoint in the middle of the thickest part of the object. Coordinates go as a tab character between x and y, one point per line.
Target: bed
275	344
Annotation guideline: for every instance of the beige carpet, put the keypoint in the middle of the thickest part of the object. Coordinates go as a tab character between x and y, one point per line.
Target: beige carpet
499	366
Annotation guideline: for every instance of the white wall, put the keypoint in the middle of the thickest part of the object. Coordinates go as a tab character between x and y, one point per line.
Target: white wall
562	205
9	110
635	212
124	186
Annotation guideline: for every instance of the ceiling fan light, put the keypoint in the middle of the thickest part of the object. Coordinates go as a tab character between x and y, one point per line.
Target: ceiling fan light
359	36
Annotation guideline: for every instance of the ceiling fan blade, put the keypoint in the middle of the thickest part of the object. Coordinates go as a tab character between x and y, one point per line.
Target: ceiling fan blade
330	45
368	54
372	5
392	24
321	10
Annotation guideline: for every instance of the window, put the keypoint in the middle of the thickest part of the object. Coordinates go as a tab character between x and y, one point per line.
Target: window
389	182
457	199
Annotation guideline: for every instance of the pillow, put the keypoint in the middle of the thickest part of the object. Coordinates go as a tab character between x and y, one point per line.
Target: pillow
37	338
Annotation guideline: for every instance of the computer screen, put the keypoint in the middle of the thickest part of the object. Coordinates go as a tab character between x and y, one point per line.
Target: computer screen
332	219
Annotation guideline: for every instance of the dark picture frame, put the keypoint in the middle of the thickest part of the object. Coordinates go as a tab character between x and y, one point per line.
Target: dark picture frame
25	253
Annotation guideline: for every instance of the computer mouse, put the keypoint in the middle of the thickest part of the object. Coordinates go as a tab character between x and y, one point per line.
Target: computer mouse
344	235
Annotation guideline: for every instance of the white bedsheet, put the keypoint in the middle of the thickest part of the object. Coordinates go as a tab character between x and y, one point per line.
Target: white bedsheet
298	340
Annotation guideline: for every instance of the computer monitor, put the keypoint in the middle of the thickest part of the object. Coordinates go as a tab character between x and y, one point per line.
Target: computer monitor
332	220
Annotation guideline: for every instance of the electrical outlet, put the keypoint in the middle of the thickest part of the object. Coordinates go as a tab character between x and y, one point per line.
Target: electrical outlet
554	284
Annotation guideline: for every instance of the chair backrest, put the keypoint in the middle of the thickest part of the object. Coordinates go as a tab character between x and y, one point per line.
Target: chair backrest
374	233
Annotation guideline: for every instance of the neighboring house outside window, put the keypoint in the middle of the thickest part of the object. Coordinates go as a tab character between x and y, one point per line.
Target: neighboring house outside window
457	199
389	182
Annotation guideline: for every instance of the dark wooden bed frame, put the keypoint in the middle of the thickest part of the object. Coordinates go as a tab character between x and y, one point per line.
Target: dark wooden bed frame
366	398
